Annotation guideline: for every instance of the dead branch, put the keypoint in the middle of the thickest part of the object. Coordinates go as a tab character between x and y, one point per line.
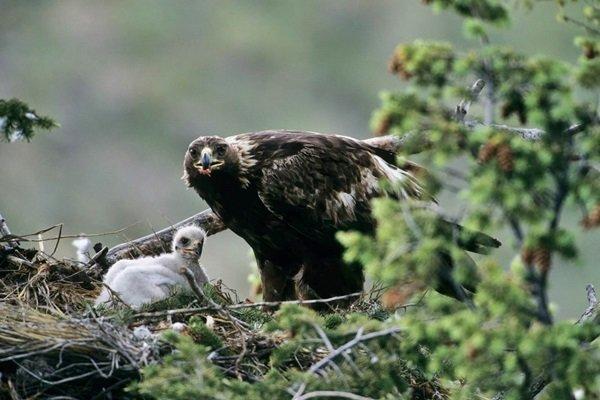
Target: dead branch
462	108
358	338
5	232
592	312
153	243
191	278
333	393
260	304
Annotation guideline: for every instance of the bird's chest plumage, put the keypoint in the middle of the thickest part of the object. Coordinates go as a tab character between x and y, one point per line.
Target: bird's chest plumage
242	211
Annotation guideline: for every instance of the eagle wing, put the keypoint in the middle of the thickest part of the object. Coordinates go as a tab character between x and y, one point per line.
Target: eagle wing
319	184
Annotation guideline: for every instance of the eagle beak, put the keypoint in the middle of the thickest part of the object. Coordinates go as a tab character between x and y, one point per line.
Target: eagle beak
204	163
207	162
206	158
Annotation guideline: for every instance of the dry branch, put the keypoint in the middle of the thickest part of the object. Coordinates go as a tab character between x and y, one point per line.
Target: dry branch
5	232
333	393
592	312
463	107
260	304
156	243
202	297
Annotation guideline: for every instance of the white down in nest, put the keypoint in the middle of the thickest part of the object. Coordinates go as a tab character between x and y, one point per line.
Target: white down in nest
150	279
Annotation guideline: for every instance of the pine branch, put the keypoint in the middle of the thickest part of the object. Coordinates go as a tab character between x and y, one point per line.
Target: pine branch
358	338
590	315
18	121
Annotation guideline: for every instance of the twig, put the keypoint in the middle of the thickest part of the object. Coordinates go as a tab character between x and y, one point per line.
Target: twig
590	29
238	324
348	345
99	258
195	310
24	237
332	393
207	220
358	338
19	261
532	134
5	232
60	228
593	309
189	275
330	347
462	108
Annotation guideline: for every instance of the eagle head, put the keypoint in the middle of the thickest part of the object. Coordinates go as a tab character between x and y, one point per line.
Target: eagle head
209	156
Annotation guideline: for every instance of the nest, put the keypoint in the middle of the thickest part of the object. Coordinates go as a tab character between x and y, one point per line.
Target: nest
44	354
53	343
29	277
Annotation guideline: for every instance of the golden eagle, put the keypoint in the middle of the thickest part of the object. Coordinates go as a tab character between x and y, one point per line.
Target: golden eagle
287	193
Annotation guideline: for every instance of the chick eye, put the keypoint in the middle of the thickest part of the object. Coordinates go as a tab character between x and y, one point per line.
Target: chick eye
193	152
221	151
185	241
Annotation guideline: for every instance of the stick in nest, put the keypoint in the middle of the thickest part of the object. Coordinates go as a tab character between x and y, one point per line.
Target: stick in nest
238	324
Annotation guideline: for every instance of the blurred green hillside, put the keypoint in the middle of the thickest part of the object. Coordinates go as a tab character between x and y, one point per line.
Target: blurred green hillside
133	82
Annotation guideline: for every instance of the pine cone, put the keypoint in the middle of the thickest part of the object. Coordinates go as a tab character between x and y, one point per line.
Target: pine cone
592	220
589	52
505	157
397	65
505	110
472	352
527	255
383	125
542	257
487	152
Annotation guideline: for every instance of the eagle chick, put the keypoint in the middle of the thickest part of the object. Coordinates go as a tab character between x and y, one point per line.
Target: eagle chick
148	279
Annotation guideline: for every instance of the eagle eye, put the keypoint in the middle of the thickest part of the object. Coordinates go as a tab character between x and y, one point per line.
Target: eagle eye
221	150
185	241
193	152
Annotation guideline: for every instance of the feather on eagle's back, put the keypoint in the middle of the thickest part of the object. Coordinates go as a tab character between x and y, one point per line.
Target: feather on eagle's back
309	178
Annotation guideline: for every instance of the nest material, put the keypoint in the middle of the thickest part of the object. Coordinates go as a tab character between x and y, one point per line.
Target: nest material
43	354
40	281
52	343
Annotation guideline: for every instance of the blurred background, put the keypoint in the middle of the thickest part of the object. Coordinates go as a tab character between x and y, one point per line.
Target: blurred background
133	82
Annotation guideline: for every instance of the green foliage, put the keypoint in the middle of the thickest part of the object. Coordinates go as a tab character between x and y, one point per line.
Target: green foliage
177	299
520	179
503	345
374	369
497	348
425	62
18	121
486	10
203	334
